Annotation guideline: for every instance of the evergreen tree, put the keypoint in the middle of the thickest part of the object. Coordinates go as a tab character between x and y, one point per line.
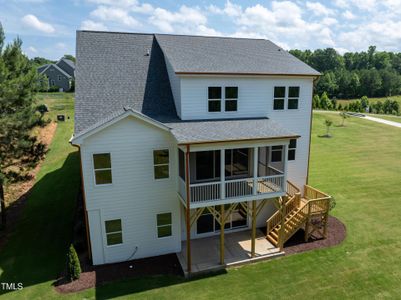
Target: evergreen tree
73	264
316	101
19	151
325	102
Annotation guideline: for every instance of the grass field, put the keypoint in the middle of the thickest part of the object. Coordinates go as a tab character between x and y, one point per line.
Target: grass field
388	117
359	166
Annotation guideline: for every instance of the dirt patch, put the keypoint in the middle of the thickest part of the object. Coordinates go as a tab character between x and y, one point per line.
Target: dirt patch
16	194
93	276
336	234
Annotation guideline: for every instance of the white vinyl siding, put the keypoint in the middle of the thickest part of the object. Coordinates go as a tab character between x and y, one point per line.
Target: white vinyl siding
134	197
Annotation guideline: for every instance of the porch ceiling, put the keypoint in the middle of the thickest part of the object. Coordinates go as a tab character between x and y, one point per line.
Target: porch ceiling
212	131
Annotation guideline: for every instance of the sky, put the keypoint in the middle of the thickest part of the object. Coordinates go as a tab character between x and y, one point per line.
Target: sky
48	27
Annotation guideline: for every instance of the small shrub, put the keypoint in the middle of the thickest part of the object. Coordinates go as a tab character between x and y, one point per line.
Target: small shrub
332	203
73	264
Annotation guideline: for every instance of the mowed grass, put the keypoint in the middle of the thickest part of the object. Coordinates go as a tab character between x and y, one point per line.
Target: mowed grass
359	166
35	252
388	117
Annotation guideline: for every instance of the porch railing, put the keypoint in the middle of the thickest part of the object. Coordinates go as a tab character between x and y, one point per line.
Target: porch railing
237	188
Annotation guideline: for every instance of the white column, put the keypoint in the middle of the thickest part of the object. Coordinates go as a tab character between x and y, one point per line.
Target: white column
255	170
222	174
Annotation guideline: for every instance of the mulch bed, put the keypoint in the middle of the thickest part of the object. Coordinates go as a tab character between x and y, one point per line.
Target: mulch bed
336	234
93	276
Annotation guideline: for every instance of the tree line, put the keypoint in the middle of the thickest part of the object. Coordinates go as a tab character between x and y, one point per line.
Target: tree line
369	73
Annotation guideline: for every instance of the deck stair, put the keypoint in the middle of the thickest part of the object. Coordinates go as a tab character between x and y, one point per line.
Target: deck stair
295	212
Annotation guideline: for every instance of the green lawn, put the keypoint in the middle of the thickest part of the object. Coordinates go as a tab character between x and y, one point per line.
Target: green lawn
388	117
359	166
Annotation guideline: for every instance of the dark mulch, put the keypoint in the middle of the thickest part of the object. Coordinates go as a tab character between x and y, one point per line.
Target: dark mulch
93	276
336	234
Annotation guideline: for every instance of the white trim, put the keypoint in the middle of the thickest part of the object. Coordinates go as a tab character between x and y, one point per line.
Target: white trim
78	139
105	233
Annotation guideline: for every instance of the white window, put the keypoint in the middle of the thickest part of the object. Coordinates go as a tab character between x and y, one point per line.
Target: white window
279	97
231	98
214	99
52	83
102	168
277	153
161	163
114	232
291	149
293	96
59	77
164	225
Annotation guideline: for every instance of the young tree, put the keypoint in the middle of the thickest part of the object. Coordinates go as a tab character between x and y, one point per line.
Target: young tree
364	103
328	124
73	264
325	102
19	151
344	116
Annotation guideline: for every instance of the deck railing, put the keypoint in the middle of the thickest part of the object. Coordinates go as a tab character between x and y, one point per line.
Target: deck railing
236	188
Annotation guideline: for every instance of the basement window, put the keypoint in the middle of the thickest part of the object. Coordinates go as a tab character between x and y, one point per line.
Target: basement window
114	232
293	96
102	168
214	99
291	149
161	163
231	98
279	96
164	225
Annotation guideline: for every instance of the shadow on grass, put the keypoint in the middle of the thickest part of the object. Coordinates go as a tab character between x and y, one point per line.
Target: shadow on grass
138	285
35	250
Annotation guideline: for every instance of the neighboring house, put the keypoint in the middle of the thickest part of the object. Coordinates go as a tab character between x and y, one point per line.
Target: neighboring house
60	74
179	133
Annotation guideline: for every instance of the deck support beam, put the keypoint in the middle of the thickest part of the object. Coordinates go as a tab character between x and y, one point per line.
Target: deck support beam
253	239
282	223
188	210
222	223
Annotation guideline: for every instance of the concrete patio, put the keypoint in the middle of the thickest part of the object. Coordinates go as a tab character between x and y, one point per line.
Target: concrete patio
237	251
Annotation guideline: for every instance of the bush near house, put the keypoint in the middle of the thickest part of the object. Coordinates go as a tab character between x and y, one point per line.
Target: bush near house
73	264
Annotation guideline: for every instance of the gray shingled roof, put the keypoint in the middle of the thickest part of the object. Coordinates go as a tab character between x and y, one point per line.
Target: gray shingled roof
113	71
191	132
69	62
57	68
197	54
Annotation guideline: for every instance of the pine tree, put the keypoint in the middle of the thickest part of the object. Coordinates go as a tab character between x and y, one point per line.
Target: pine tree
19	151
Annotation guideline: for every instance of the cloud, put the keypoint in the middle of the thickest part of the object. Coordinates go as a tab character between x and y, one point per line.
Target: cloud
91	25
319	9
116	15
119	3
348	15
187	20
33	22
31	50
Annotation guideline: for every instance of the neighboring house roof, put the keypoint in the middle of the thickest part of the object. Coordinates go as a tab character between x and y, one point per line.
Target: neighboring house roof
114	71
57	68
41	68
210	55
209	131
68	62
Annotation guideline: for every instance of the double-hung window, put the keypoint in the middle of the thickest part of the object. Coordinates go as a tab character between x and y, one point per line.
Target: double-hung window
102	168
114	232
214	99
291	149
161	163
279	97
164	225
293	96
231	98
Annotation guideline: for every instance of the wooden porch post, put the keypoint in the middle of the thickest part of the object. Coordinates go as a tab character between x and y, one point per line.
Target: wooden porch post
255	170
253	241
222	174
188	211
282	224
222	223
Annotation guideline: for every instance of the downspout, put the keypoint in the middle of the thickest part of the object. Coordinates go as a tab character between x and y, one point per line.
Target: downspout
310	129
84	204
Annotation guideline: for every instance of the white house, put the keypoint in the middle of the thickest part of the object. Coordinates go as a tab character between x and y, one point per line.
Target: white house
179	134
